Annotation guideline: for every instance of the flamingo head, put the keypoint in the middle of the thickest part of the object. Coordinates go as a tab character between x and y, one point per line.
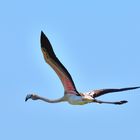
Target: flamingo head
31	96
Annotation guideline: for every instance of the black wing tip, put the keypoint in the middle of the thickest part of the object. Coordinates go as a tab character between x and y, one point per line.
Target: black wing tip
44	40
135	87
131	88
42	35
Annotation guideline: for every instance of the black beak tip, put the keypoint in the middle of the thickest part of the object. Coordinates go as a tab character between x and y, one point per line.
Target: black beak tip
28	97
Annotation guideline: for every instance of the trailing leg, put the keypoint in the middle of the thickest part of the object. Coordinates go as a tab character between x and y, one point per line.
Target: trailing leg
107	102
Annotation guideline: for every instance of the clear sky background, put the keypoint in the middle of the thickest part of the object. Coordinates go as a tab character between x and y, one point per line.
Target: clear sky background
99	43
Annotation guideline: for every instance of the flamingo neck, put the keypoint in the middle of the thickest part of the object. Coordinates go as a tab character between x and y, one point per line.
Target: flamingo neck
51	101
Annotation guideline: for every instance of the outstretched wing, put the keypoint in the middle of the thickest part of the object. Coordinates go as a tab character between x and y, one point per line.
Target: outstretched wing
97	93
58	67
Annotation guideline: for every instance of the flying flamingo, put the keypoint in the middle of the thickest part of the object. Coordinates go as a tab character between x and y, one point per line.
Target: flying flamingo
71	95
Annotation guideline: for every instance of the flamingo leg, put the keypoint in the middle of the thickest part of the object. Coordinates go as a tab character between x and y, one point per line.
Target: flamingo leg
107	102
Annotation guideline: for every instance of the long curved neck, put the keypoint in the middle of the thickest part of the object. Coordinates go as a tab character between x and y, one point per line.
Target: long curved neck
51	101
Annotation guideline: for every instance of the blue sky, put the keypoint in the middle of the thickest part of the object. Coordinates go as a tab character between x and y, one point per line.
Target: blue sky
98	42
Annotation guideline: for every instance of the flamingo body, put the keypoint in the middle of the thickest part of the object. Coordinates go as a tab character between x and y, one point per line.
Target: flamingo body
71	95
78	100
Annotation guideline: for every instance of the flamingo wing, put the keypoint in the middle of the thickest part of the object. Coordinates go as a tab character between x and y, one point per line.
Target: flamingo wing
100	92
57	66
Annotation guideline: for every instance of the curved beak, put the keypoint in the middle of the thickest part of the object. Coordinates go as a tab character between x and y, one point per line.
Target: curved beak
28	97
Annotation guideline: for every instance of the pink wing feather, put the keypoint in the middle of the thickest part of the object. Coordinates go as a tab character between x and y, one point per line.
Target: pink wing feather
57	66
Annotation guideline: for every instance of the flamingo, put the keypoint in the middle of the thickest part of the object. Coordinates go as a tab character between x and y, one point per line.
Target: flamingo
71	95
